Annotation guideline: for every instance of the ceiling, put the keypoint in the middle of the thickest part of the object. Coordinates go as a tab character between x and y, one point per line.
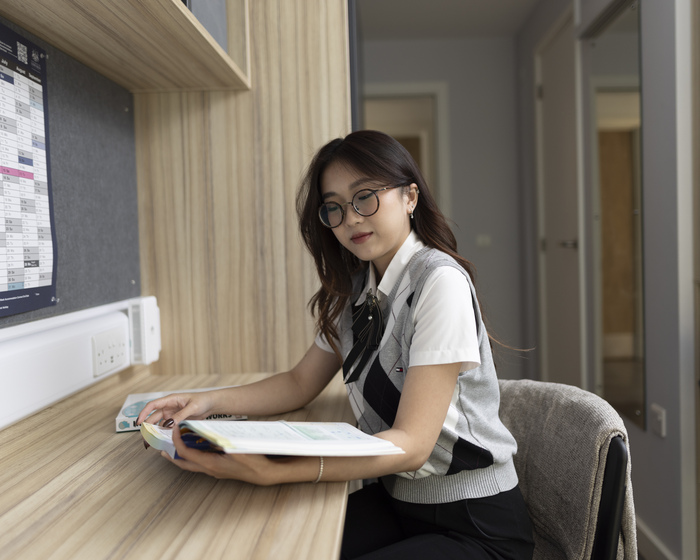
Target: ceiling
430	19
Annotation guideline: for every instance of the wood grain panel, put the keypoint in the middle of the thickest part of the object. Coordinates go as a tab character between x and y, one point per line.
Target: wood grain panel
218	173
239	38
143	46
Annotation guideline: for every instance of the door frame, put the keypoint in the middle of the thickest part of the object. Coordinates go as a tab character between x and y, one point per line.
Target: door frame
566	17
442	190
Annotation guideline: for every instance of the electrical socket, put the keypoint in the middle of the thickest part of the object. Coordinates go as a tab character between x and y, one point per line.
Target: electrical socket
658	420
110	350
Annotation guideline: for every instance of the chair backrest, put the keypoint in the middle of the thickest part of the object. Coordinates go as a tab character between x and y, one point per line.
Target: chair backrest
564	437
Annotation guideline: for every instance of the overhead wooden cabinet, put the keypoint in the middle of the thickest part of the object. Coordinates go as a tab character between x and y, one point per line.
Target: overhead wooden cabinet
156	45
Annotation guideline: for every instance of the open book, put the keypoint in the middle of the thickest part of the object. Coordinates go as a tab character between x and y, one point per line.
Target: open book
330	439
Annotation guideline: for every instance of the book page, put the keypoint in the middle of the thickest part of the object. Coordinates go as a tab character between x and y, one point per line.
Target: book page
299	438
329	431
254	431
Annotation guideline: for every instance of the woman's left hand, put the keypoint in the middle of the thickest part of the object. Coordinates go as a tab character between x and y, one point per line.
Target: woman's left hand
256	469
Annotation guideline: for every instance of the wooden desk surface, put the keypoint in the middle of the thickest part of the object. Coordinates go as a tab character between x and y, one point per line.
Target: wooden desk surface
70	487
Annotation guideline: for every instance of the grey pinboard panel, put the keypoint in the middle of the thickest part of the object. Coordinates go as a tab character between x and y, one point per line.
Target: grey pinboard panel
93	176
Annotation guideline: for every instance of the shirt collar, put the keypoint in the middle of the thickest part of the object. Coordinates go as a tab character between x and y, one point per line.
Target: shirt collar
402	257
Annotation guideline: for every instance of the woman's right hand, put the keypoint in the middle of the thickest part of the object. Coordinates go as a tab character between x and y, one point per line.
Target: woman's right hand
178	407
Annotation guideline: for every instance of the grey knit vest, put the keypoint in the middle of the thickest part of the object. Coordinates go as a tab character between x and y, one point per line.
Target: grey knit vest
473	457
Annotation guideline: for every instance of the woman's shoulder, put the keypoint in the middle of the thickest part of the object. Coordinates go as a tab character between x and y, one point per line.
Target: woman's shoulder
433	257
445	282
434	265
447	273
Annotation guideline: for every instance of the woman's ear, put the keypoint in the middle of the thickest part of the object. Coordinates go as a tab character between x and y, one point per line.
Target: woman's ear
412	195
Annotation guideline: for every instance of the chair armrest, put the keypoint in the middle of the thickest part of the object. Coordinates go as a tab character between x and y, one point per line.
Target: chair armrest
611	502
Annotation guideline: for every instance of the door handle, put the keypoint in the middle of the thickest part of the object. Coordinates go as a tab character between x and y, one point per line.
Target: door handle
569	244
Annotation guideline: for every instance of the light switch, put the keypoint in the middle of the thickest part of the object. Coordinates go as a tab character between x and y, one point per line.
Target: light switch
658	420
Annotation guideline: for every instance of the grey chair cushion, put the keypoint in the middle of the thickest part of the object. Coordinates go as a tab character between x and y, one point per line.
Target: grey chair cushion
563	435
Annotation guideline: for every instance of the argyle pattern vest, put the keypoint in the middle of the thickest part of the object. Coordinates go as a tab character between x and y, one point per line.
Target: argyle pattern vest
473	456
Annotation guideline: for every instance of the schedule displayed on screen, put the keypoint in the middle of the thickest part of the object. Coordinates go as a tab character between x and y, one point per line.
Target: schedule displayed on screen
27	236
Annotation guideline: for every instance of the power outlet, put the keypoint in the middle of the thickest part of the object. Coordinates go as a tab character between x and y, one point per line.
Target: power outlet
658	420
110	350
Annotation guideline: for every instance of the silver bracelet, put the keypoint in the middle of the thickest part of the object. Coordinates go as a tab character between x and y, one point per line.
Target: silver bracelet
320	471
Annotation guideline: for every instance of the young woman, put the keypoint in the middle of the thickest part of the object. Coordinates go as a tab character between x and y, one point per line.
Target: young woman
398	314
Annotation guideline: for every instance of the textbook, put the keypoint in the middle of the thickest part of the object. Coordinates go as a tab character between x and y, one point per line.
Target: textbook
328	439
134	403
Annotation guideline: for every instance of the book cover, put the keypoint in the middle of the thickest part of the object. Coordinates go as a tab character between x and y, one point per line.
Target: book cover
134	403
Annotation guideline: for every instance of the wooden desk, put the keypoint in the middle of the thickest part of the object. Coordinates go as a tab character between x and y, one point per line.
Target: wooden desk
70	487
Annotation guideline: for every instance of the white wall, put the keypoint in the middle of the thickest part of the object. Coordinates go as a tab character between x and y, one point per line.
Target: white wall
667	479
663	469
484	167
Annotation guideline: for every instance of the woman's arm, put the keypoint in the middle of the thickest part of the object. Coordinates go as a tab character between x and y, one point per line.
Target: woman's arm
280	393
423	407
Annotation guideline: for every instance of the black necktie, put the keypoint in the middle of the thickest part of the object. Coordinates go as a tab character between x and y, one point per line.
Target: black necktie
367	332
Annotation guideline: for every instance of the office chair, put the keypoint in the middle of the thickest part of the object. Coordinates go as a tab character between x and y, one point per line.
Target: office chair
574	470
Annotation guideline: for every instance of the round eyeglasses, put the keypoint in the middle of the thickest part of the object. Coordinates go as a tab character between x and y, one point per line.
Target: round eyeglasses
365	203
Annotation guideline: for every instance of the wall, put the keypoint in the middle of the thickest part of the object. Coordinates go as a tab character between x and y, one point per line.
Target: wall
217	176
668	479
663	470
480	73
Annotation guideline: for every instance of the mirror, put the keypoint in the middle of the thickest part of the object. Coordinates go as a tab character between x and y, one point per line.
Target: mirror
615	63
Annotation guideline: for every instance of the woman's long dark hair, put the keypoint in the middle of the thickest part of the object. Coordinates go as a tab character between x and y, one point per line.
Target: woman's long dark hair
379	157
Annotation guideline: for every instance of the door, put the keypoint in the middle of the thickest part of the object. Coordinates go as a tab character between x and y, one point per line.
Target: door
560	285
412	121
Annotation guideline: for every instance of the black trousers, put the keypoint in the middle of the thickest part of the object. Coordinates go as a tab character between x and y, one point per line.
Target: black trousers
378	526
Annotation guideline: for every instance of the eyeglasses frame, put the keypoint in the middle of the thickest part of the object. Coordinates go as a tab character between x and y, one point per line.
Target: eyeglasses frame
342	210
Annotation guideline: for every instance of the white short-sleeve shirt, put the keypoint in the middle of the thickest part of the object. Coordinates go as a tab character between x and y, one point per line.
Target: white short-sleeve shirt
443	316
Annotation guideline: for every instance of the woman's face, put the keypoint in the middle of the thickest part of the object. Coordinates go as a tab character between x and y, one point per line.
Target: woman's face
374	238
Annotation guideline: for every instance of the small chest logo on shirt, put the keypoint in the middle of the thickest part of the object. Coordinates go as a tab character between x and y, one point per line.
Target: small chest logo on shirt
399	370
